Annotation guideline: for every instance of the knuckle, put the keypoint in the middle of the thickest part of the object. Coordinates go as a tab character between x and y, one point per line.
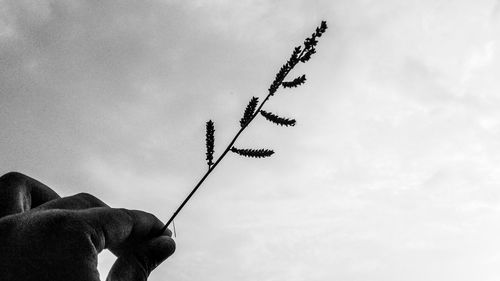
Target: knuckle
89	200
126	214
12	177
86	197
14	195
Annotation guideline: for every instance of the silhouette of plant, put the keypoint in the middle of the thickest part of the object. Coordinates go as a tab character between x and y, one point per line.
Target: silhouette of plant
276	119
300	54
210	142
257	153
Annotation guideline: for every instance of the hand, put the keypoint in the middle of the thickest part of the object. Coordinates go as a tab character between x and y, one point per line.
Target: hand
46	237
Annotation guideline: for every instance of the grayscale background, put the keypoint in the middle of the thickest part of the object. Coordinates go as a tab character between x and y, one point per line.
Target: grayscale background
391	174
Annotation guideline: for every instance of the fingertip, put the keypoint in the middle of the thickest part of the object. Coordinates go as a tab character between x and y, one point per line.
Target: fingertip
158	250
138	264
163	247
167	232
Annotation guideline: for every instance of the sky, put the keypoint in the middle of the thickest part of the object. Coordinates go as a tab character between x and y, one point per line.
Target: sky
391	173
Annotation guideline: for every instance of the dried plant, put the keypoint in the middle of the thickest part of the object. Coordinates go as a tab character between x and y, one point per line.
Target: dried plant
276	119
300	54
257	153
295	82
249	111
210	142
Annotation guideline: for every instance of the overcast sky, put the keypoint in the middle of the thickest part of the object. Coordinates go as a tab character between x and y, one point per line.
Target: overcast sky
391	174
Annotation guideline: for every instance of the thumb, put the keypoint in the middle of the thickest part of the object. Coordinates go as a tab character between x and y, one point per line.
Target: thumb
137	264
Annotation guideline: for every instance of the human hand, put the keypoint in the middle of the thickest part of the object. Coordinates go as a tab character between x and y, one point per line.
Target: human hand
46	237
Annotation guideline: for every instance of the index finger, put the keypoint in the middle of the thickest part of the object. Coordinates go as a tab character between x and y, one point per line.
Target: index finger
115	228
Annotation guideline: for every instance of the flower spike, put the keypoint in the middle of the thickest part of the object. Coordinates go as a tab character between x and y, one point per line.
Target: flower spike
210	142
249	111
278	120
295	82
257	153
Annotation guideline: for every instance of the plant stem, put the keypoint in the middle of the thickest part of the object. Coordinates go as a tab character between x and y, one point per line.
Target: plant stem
226	150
